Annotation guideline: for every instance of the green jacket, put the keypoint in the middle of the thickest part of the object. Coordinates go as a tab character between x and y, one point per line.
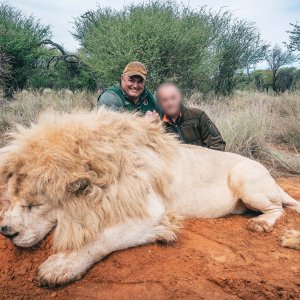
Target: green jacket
194	127
114	98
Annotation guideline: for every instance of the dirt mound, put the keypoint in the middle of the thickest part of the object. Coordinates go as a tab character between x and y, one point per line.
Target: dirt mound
213	259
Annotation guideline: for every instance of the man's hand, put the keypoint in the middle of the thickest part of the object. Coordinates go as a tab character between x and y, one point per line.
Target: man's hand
153	115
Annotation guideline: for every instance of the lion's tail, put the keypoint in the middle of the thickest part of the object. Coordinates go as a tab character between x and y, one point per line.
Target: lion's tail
288	201
291	239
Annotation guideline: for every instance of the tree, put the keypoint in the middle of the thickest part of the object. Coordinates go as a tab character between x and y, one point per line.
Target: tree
198	49
5	68
276	58
262	80
294	37
58	72
239	48
21	40
285	80
59	69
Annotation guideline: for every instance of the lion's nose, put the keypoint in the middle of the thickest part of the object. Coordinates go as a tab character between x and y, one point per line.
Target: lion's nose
7	231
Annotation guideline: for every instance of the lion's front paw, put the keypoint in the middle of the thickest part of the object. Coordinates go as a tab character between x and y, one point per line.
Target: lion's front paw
60	269
259	225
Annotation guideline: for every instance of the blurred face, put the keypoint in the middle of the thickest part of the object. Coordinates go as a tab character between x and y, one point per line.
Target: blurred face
169	99
133	86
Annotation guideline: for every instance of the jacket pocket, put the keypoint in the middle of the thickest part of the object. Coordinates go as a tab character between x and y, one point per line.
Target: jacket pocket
190	133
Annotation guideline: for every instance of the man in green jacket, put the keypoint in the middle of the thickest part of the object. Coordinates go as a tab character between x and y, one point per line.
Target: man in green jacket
131	94
191	125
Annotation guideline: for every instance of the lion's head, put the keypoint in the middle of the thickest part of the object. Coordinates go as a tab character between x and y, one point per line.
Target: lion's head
43	180
79	173
26	218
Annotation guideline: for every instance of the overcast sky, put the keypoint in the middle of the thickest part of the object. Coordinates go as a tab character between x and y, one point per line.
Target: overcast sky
272	17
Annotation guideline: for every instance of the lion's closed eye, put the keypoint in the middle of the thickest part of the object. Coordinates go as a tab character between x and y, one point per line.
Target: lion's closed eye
30	206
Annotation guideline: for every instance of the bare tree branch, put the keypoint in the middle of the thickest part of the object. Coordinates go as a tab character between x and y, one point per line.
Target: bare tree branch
69	59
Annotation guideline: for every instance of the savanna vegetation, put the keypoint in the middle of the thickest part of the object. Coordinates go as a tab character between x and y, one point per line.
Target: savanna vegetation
199	49
211	54
257	125
29	59
202	50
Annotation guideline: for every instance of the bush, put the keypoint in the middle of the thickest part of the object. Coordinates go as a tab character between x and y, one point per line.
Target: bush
20	41
59	77
199	49
5	68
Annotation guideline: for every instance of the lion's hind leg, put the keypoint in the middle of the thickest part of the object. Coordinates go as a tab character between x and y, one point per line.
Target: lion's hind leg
254	186
271	210
291	239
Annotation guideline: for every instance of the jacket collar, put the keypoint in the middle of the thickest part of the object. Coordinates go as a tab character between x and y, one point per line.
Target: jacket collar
166	119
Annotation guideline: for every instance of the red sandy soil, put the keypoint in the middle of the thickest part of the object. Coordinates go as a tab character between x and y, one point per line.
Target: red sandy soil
213	259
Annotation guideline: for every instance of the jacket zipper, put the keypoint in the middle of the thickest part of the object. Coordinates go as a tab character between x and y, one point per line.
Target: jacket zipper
178	131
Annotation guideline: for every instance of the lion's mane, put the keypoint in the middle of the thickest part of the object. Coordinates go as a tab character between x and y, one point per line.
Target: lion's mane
95	168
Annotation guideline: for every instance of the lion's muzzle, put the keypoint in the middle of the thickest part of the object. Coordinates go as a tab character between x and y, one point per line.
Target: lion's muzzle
8	231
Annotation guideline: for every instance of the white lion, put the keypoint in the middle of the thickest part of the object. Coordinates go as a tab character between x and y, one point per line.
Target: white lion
108	181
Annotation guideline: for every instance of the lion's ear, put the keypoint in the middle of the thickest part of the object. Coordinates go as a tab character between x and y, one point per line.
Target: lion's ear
78	186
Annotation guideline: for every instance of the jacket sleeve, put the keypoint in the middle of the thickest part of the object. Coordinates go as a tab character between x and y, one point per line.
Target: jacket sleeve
210	134
110	100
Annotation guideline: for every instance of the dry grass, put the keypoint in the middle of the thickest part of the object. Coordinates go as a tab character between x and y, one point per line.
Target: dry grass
260	126
27	105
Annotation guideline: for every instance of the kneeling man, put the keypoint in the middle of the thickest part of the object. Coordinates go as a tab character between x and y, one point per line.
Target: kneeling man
192	125
131	94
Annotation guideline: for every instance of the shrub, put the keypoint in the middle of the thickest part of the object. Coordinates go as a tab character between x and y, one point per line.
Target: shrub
20	40
199	49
